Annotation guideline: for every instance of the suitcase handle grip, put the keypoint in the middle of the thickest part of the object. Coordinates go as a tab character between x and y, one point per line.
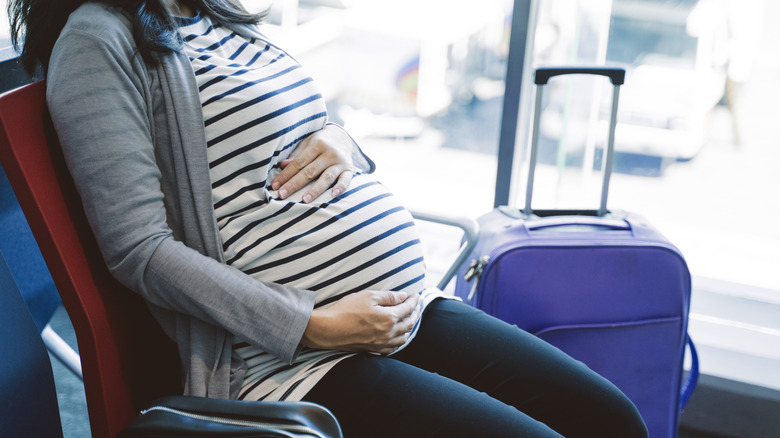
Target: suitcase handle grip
543	74
559	221
616	75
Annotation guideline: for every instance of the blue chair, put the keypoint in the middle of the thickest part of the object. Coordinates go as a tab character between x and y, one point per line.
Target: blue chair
28	398
31	275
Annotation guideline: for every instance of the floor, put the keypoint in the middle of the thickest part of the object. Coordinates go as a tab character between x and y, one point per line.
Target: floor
70	389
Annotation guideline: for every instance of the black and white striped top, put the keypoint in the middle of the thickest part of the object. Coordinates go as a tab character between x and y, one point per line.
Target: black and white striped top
258	104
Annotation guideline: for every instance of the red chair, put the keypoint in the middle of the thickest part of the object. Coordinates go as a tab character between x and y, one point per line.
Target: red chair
126	358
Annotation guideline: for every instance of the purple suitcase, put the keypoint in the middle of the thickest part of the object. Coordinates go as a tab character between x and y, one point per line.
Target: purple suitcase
605	287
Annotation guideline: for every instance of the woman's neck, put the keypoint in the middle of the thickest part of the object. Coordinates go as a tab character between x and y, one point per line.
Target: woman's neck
179	8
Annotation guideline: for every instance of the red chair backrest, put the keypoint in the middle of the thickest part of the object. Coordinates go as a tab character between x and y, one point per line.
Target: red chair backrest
126	359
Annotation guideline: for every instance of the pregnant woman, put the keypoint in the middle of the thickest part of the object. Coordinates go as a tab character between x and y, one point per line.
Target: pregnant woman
218	190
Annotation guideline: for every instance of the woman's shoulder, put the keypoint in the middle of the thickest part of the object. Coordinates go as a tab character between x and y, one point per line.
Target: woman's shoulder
93	30
99	19
97	38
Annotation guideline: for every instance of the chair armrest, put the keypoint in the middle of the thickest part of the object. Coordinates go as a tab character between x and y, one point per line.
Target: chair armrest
62	351
470	237
176	416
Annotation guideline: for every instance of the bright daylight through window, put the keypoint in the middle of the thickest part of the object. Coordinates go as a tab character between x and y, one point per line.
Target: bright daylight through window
6	51
420	86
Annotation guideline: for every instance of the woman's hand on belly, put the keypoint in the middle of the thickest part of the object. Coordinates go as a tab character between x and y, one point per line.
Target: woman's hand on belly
324	155
367	321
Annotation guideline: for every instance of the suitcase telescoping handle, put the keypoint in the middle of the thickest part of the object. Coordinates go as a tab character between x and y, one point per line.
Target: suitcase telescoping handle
617	77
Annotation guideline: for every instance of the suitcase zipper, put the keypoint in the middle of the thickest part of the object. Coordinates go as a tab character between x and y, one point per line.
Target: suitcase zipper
235	422
474	272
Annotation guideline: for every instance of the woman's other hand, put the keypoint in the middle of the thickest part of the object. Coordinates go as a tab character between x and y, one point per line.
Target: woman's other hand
367	321
324	155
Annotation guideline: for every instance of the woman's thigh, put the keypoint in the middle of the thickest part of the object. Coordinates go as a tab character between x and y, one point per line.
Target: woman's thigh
378	397
517	368
467	374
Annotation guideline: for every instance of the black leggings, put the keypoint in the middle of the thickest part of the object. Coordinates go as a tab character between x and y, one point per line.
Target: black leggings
467	374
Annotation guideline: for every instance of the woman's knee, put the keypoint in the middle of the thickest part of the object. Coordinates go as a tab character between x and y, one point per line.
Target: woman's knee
521	370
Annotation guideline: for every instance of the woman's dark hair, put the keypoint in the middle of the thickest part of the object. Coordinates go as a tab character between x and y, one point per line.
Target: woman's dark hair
36	24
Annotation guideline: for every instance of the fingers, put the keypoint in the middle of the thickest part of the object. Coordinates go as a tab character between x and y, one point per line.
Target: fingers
388	342
318	158
403	329
343	182
408	316
304	171
300	170
325	181
297	160
400	306
393	345
405	315
370	321
390	298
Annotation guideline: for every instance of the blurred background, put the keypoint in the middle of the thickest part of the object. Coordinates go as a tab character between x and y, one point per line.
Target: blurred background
420	85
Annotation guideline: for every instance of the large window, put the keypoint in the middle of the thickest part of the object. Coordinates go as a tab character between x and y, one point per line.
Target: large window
420	85
697	150
12	75
6	51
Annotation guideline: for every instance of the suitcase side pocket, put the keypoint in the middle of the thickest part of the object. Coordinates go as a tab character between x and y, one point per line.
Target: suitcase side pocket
643	358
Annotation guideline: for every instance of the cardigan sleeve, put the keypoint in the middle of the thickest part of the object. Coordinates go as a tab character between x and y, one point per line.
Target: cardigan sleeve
359	158
97	93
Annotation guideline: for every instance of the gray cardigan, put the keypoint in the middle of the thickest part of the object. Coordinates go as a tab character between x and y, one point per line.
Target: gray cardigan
134	141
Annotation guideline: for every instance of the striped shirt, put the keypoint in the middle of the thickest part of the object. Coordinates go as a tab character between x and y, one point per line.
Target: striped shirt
258	104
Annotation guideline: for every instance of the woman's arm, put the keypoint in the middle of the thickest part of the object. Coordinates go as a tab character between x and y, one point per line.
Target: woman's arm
98	102
97	98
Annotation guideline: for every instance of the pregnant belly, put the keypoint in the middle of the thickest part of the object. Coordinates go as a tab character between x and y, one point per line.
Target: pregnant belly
363	239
